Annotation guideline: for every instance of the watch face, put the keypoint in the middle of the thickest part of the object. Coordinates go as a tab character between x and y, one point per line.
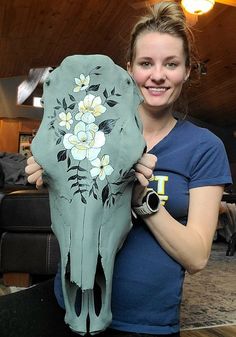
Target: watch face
153	201
150	204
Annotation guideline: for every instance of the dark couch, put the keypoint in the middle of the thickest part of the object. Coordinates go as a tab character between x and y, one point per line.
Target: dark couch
28	248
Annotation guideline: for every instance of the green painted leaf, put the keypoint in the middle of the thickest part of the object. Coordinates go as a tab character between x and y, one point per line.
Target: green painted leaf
71	106
111	103
73	177
72	98
105	94
107	125
72	168
75	184
64	104
95	184
61	156
93	87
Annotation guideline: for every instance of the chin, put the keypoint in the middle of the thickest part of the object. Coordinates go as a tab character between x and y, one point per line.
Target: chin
153	104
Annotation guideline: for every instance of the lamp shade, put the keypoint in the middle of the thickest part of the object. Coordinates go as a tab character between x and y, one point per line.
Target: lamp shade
198	6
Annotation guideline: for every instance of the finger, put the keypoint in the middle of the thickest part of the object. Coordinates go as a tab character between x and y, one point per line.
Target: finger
32	168
148	160
143	181
146	172
32	179
30	160
39	183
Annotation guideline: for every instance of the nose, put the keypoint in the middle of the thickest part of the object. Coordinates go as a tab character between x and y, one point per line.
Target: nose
158	74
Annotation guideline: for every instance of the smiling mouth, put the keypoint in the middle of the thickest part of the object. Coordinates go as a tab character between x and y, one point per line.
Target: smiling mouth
157	90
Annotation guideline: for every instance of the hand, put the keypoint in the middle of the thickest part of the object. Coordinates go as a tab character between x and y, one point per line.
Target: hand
143	172
34	172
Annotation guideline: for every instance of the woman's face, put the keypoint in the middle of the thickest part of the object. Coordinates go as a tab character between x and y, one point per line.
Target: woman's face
159	68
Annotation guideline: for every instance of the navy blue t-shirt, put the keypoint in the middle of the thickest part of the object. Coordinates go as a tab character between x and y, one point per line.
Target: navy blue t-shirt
147	282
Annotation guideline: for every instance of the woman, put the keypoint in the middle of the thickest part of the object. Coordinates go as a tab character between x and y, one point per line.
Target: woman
187	167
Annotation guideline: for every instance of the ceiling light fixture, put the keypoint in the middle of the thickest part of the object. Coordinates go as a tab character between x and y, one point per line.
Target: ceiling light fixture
198	7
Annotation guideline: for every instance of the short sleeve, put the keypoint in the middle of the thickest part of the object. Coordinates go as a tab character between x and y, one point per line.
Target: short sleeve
210	163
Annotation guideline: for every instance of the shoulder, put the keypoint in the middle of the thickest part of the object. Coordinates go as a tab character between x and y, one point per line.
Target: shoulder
200	135
208	158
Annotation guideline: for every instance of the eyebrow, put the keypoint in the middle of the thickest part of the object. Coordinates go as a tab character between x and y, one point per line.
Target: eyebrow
172	57
147	58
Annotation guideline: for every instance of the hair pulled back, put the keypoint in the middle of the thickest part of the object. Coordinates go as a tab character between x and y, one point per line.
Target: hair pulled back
165	17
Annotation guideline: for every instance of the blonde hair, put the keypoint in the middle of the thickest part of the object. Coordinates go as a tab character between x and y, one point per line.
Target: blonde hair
165	17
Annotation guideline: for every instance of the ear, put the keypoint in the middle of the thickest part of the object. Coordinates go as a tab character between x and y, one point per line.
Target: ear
129	68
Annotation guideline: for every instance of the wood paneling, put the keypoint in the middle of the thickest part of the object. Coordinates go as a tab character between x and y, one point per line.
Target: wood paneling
41	33
9	135
10	130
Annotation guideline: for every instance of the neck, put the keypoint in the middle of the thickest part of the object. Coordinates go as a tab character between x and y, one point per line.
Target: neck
156	125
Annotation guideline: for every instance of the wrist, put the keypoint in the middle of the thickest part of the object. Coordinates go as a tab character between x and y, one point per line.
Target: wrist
149	204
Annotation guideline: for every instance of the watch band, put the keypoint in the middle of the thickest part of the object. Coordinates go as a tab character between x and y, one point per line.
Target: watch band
151	204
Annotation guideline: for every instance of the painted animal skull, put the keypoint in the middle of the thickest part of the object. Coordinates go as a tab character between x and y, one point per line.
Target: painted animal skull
88	142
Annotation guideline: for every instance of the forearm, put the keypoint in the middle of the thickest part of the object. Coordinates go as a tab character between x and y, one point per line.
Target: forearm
181	242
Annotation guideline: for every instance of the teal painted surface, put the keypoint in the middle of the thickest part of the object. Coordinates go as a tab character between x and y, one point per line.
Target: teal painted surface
88	142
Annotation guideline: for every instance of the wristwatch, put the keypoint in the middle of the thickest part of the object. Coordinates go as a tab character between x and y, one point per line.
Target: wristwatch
150	204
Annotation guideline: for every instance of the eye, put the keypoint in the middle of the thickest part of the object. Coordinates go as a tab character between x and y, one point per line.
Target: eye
145	64
171	65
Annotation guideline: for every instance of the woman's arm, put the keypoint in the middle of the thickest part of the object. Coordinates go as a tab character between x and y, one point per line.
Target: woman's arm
190	245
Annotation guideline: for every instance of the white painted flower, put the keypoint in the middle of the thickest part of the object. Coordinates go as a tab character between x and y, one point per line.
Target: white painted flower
101	167
90	108
82	83
86	117
66	119
86	142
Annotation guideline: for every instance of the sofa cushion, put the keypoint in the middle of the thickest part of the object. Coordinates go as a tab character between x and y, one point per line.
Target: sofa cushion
34	253
25	210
